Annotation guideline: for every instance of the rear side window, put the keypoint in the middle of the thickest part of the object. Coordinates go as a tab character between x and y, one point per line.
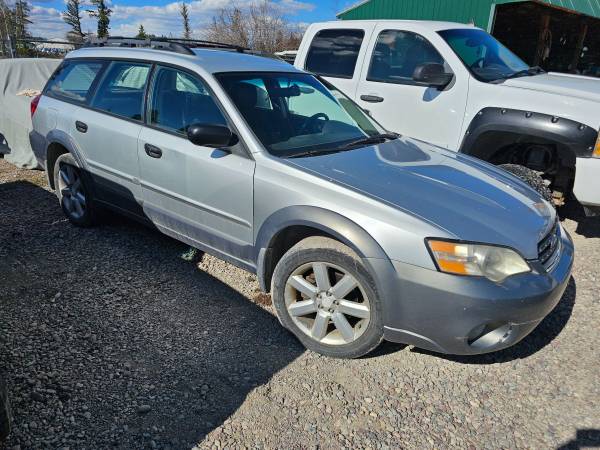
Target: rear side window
73	80
121	92
333	53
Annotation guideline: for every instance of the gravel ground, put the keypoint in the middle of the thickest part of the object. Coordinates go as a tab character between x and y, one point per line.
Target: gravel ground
109	339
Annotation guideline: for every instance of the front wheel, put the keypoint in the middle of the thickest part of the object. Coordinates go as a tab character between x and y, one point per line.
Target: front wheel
323	294
531	177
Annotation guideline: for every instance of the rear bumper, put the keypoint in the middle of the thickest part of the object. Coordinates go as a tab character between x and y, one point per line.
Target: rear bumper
472	315
587	182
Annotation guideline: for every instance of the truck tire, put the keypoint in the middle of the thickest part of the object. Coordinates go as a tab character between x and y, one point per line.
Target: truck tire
4	412
531	177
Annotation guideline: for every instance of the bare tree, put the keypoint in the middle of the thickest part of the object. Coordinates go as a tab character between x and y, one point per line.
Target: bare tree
184	10
72	16
262	27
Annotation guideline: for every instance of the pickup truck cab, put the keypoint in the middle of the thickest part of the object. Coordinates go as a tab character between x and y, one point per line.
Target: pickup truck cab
457	87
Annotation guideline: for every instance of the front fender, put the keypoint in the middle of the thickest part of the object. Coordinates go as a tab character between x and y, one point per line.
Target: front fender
350	233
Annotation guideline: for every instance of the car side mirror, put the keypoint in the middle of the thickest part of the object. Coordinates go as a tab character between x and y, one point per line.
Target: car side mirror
433	75
208	135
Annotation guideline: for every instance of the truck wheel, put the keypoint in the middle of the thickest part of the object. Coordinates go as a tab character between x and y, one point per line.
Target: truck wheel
531	177
323	294
4	412
73	192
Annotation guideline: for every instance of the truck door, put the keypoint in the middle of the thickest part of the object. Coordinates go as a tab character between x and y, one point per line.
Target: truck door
387	90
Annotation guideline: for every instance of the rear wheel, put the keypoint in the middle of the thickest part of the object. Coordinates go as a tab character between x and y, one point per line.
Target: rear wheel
531	177
325	296
73	192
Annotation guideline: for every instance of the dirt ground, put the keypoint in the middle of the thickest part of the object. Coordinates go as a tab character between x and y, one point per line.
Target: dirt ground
109	339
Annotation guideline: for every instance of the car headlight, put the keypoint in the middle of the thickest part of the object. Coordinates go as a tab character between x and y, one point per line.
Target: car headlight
464	258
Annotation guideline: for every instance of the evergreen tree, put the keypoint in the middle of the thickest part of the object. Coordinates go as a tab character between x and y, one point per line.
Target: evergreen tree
142	33
184	10
102	13
21	15
72	16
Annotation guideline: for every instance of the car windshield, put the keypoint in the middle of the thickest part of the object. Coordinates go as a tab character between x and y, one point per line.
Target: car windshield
294	113
484	56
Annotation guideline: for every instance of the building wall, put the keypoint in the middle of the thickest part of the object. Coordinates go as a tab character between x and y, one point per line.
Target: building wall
479	12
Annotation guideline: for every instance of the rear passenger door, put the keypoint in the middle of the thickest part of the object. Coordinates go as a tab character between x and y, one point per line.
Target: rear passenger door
197	194
108	130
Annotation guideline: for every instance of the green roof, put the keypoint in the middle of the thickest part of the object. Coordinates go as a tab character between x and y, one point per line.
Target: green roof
479	12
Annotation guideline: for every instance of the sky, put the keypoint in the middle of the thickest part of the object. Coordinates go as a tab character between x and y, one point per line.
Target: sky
161	17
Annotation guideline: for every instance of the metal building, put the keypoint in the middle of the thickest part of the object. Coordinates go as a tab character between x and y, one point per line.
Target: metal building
559	35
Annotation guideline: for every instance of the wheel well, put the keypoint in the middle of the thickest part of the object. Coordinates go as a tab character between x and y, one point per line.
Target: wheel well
282	242
555	160
52	154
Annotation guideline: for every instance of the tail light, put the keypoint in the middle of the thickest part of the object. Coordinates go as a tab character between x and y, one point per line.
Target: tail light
34	104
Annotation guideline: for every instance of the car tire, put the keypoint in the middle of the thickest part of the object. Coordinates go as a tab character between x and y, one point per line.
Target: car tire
531	177
73	192
325	296
4	412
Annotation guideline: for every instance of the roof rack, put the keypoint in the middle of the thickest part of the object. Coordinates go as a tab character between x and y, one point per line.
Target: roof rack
182	46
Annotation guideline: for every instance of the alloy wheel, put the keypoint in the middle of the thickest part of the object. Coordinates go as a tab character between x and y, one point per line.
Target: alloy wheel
72	191
327	303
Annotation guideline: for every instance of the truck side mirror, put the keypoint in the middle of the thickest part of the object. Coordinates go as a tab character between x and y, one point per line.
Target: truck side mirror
433	75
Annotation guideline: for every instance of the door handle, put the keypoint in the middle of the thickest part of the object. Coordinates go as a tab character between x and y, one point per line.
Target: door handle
153	151
81	127
371	98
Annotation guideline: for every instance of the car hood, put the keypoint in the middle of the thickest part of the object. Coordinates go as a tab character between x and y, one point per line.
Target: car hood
467	198
586	88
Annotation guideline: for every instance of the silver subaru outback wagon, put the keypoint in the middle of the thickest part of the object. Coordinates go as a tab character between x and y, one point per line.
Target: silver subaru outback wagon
358	234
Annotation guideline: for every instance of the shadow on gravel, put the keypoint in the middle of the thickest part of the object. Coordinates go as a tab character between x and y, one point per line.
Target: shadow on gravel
111	340
587	438
588	227
539	338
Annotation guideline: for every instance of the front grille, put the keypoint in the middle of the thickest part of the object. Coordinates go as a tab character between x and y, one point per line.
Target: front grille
549	248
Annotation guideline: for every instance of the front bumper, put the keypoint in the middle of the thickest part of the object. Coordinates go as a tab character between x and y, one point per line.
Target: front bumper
587	182
471	315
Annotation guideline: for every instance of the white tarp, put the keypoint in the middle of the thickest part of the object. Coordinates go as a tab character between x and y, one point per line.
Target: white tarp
16	76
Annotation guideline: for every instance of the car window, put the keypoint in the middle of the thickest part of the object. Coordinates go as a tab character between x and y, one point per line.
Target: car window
333	53
122	89
302	114
179	100
397	54
74	79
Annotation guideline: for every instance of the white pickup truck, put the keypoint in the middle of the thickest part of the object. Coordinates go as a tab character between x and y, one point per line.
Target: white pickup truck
456	86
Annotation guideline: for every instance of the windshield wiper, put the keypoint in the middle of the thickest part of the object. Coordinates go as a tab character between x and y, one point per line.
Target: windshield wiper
375	139
536	70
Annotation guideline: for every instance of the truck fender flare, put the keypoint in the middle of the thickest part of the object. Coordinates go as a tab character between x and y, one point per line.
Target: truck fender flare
579	138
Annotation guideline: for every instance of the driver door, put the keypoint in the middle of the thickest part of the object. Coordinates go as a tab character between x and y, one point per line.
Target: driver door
386	89
200	195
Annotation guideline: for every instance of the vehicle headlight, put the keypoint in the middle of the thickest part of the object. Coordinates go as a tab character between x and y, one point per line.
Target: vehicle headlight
596	152
464	258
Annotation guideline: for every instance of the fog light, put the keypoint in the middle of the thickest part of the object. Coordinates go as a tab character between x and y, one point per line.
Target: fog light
489	335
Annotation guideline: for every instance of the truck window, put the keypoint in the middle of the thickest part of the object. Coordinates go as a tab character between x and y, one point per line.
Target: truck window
333	53
397	54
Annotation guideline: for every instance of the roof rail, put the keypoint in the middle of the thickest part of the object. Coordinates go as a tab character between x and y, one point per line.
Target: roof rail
182	46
